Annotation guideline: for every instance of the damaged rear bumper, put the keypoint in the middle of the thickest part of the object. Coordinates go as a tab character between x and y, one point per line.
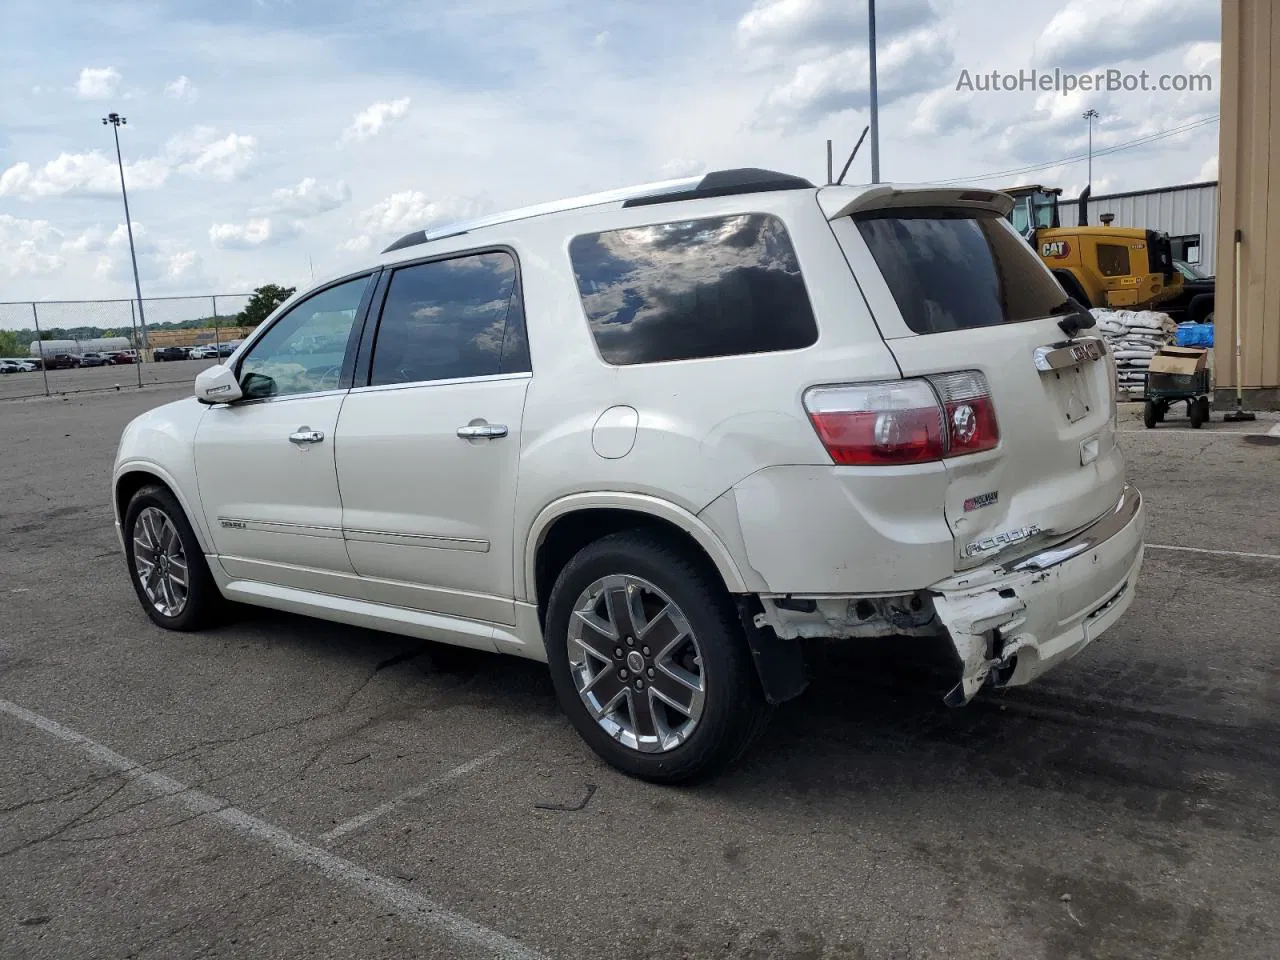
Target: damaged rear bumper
1012	622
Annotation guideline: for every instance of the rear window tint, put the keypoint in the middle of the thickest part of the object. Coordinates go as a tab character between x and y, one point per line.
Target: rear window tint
952	270
710	287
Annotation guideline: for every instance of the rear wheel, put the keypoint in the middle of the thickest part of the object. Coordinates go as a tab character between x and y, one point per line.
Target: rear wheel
166	564
1198	410
649	660
1150	414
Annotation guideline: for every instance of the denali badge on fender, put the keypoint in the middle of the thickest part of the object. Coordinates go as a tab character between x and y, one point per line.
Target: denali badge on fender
1001	540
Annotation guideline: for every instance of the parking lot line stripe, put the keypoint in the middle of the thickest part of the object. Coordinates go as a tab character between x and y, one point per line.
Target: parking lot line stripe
1216	553
472	938
382	809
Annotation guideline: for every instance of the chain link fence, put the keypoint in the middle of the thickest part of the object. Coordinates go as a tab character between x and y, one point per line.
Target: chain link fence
84	345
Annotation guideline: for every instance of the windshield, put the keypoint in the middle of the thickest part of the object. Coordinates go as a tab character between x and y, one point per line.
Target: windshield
1188	271
956	270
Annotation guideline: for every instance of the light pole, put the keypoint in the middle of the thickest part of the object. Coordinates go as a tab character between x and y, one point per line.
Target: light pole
117	122
1090	115
875	113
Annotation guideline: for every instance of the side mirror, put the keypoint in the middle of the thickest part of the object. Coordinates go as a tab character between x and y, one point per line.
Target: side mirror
217	384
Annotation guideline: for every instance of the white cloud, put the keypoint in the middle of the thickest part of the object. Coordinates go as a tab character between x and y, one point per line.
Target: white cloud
90	174
785	27
370	121
675	169
256	232
411	210
27	247
185	263
88	241
943	111
310	197
181	89
360	244
201	153
1085	34
97	83
905	66
1209	169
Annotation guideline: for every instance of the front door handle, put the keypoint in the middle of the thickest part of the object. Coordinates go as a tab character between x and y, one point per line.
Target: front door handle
482	431
306	435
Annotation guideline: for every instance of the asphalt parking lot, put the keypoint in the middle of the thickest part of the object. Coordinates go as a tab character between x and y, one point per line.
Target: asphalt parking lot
94	379
286	787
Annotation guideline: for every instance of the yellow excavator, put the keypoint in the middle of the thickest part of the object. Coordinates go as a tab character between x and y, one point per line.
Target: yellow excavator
1103	266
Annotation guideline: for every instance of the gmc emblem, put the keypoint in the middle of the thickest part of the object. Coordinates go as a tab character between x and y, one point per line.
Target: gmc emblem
1086	351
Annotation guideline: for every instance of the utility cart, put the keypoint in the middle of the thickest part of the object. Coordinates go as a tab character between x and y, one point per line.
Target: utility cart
1177	375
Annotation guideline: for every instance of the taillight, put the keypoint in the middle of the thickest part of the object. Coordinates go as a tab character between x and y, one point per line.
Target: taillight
971	416
904	421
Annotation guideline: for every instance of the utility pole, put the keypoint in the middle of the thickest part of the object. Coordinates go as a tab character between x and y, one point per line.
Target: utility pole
1090	115
117	122
875	113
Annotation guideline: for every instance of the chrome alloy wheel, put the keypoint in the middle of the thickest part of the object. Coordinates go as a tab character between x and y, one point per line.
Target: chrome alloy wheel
160	562
636	663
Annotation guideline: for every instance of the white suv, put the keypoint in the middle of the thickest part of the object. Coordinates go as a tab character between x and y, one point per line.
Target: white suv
655	438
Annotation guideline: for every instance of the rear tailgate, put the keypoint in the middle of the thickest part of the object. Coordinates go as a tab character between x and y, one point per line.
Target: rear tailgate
954	288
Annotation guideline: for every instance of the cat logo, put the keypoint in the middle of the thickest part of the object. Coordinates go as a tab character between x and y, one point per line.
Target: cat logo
1058	249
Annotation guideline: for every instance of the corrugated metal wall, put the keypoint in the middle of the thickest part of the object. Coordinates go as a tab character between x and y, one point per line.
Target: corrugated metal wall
1188	211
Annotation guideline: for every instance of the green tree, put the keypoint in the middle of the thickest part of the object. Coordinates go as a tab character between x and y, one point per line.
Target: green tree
12	344
264	300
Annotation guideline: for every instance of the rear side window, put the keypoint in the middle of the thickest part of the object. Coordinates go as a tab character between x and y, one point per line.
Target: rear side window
710	287
952	270
453	318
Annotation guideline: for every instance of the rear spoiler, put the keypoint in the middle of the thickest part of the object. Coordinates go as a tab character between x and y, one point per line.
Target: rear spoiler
839	202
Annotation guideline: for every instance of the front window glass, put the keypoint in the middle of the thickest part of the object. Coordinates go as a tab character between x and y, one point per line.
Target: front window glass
303	351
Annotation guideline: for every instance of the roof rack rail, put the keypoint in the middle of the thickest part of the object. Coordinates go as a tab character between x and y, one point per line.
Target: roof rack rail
719	183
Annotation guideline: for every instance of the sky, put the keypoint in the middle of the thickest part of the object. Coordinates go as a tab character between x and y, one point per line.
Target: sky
273	141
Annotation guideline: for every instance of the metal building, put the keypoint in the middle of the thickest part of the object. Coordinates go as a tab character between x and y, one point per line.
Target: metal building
1188	213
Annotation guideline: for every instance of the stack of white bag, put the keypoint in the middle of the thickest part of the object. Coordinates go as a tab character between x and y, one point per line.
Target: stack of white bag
1134	336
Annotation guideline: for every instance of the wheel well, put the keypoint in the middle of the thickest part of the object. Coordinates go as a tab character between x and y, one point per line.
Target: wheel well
570	533
130	483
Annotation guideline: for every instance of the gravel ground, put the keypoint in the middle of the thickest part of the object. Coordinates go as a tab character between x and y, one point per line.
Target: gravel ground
285	787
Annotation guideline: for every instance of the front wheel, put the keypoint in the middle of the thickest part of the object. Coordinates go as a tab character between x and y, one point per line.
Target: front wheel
166	564
649	660
1198	412
1150	415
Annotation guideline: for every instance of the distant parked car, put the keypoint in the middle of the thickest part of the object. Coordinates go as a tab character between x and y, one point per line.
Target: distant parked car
204	352
9	366
1195	302
123	356
61	361
94	360
228	348
171	353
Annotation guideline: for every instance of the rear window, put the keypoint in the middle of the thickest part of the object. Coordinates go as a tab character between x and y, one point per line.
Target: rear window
954	270
710	287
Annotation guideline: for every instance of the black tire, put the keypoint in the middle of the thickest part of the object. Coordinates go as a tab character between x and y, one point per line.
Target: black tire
203	602
1203	404
1150	416
734	711
1197	412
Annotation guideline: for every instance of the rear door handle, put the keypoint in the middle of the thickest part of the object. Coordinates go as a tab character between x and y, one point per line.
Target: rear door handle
306	435
482	431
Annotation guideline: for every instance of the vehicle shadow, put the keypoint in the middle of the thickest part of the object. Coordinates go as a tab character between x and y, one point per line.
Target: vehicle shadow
873	720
